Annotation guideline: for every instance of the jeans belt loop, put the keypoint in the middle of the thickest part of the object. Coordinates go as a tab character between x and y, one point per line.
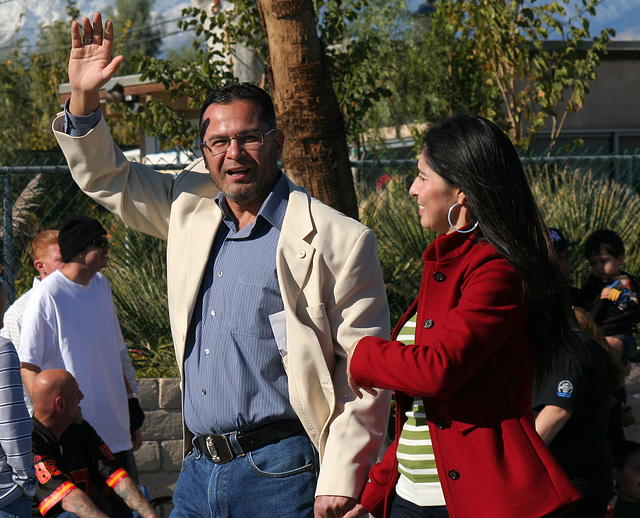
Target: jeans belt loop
235	445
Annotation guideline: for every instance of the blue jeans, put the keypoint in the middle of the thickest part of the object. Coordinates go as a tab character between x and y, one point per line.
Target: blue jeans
276	480
20	508
401	508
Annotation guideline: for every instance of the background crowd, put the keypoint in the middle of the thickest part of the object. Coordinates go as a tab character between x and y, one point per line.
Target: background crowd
508	384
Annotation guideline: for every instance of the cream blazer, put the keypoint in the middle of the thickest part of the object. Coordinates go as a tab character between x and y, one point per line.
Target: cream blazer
329	276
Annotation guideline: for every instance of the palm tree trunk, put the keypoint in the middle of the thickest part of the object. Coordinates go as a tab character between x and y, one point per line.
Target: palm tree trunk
315	154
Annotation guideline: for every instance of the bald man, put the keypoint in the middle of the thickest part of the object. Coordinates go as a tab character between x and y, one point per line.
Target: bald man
72	463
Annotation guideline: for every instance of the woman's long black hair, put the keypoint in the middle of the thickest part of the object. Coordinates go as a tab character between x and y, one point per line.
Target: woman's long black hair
473	154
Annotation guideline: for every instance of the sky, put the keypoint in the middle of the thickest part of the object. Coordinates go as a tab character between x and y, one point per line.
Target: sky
621	15
26	15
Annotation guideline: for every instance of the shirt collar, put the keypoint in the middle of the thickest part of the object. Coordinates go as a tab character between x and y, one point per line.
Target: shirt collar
272	210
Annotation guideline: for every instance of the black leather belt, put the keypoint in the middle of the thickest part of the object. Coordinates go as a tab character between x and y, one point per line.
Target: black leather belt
219	449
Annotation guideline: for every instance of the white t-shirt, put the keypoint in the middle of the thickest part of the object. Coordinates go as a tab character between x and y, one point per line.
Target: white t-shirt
74	327
13	317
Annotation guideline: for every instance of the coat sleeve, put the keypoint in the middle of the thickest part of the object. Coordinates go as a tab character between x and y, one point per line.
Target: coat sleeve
53	484
380	476
487	313
357	427
138	194
106	465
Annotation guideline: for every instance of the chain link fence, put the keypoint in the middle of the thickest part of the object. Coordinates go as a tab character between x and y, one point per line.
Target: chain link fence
37	196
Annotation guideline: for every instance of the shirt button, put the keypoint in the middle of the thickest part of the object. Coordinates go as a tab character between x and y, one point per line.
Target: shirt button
204	392
213	313
206	351
219	274
439	276
453	474
428	323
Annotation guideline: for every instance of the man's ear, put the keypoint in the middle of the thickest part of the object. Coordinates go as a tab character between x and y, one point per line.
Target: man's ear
39	265
206	165
278	138
58	404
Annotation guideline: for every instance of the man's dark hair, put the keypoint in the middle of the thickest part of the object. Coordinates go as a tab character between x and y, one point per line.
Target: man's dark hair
232	92
622	452
606	241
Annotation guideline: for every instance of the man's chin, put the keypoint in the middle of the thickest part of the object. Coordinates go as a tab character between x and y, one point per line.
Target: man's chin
79	417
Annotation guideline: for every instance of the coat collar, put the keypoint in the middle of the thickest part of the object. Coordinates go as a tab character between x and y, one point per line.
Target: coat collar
447	247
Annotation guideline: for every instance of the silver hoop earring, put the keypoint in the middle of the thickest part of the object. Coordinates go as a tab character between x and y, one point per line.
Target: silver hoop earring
453	226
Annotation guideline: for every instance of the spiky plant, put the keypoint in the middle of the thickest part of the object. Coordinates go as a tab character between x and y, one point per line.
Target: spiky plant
580	202
137	273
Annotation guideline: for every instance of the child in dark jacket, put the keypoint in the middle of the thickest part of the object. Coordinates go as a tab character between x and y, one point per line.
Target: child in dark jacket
610	295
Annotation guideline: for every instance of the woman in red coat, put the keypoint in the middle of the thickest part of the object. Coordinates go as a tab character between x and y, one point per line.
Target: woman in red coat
492	309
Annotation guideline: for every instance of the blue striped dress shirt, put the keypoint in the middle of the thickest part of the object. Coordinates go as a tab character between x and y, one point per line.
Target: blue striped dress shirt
234	377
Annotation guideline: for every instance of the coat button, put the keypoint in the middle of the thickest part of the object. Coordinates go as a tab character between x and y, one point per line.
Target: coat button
440	424
453	474
428	323
301	254
439	276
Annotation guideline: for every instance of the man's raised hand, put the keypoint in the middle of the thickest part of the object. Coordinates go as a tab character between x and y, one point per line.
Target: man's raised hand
90	63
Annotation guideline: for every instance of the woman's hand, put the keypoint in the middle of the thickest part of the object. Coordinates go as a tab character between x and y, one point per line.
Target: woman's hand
352	384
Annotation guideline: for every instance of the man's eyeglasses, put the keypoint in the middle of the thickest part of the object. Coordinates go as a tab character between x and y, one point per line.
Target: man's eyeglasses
100	242
249	140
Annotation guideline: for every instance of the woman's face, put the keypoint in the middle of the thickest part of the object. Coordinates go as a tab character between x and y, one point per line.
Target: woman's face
435	196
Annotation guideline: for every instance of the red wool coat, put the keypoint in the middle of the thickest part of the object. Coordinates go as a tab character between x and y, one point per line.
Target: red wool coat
472	365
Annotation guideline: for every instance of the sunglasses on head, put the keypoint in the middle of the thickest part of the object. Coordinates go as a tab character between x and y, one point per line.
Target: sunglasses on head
100	242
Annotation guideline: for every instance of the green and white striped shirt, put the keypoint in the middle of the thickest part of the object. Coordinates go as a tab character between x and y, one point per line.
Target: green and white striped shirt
418	482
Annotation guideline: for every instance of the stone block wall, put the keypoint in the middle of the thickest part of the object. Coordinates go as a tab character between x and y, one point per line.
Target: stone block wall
160	457
632	432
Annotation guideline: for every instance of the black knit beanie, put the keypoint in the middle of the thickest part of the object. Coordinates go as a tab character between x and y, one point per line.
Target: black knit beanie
77	232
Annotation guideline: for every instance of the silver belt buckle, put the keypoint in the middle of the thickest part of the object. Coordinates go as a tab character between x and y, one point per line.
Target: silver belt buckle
211	448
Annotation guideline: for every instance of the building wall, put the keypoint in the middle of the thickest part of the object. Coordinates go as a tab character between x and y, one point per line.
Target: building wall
612	101
632	432
609	121
160	457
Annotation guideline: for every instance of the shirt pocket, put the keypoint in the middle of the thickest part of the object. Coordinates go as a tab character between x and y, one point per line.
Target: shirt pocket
252	304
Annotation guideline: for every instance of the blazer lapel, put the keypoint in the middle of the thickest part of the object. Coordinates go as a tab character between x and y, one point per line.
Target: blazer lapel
295	254
201	232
